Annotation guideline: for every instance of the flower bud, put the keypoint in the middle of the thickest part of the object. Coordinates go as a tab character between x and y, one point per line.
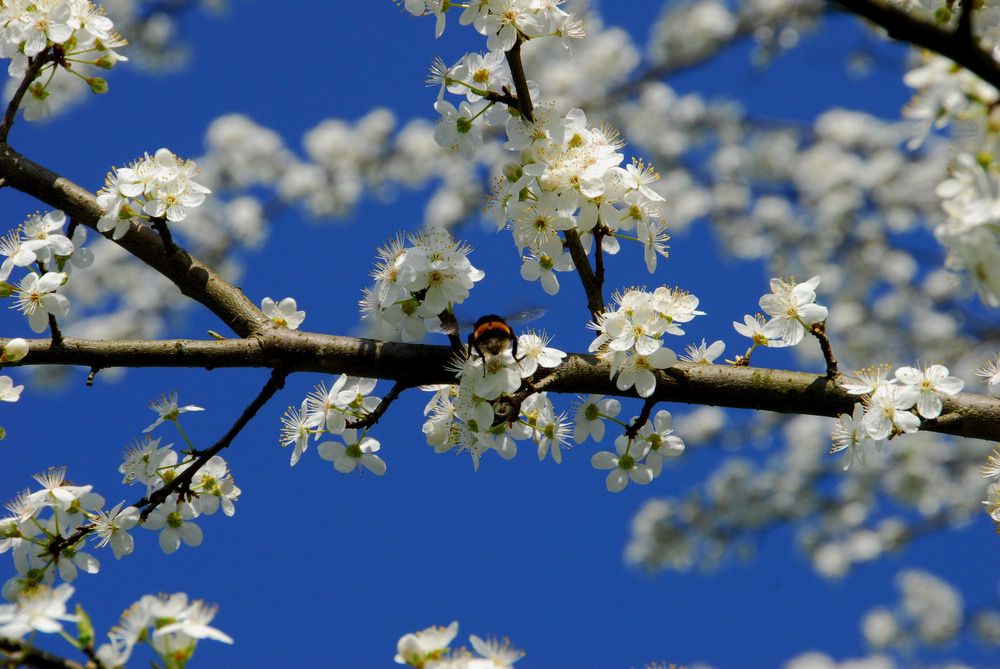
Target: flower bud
14	350
97	84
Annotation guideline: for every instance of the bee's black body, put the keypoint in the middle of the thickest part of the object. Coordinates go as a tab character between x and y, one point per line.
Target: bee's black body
492	336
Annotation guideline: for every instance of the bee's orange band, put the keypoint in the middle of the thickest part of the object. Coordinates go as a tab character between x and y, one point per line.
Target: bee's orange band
492	325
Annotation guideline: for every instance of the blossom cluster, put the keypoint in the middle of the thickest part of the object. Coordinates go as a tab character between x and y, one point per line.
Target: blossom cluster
640	460
69	33
430	649
170	623
326	411
970	197
503	22
462	415
41	521
39	243
887	406
159	187
793	311
630	334
568	174
929	610
418	282
569	178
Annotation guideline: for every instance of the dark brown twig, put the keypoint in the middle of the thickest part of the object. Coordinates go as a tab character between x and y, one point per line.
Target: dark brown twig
382	407
595	300
57	338
35	64
599	235
450	327
182	483
958	45
819	331
159	224
524	105
16	653
632	431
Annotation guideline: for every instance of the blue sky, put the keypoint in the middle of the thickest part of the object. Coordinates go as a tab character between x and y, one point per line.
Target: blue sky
318	569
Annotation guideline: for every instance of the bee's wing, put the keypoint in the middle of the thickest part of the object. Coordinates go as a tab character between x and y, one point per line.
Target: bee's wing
447	325
526	315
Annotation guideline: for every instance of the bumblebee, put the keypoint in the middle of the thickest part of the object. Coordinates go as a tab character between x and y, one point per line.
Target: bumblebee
491	335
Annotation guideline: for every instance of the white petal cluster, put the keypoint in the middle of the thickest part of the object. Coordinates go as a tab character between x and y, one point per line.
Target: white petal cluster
839	527
418	282
630	335
929	611
83	35
160	187
169	623
948	94
326	411
887	404
285	313
501	21
567	174
990	370
461	416
40	610
39	243
792	308
153	466
640	460
430	648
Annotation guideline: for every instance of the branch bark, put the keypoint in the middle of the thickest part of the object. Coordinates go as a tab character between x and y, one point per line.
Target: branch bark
780	391
959	44
193	278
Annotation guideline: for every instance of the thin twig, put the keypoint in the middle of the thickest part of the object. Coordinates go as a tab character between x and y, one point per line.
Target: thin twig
183	480
159	224
450	327
957	45
964	29
35	64
16	653
819	331
599	235
57	338
504	98
524	105
595	301
632	431
382	407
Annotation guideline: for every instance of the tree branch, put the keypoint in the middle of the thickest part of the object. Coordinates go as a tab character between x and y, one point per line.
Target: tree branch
35	64
17	654
524	105
383	406
958	45
182	483
193	278
776	390
591	286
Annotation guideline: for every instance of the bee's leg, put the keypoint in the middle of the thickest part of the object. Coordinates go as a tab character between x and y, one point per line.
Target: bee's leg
513	350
